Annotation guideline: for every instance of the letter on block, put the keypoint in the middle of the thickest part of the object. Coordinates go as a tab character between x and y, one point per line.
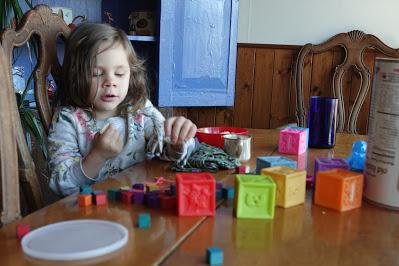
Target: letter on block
271	161
195	194
291	185
292	141
255	196
339	189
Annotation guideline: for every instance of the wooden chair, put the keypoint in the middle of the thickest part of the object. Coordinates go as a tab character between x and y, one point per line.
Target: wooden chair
354	43
46	27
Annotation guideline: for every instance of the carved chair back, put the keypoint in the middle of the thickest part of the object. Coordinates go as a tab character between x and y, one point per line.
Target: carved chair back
354	43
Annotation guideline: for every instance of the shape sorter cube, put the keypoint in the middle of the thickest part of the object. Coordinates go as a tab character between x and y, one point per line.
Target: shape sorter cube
291	185
323	164
255	196
195	194
144	220
85	200
214	256
339	189
22	230
305	129
292	141
271	161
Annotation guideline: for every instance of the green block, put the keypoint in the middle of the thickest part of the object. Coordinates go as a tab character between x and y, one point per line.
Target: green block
255	197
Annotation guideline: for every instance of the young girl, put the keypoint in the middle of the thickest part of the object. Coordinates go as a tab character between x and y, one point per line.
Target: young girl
104	122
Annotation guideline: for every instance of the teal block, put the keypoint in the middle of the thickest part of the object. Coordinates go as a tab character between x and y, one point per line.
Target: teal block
228	193
271	161
85	190
219	194
214	256
112	194
256	197
144	220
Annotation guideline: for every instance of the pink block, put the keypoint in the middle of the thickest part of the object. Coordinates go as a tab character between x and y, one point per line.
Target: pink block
292	141
22	230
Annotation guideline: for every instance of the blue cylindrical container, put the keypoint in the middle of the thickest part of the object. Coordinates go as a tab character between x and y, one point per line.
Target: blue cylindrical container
322	121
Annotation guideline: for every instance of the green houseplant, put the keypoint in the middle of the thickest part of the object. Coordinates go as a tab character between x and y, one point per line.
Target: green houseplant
10	15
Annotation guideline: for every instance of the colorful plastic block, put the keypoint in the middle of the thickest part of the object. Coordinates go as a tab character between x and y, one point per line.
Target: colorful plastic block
291	185
126	196
85	200
214	256
138	186
22	230
99	198
195	194
255	196
323	164
339	189
138	197
242	169
167	202
271	161
307	133
144	220
112	194
292	141
228	192
85	190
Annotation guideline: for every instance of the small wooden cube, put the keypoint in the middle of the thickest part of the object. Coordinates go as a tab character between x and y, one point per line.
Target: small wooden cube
22	230
144	220
255	196
126	196
271	161
214	256
138	197
292	141
112	194
99	198
228	192
85	200
241	169
339	189
138	186
219	194
195	194
291	185
85	189
167	202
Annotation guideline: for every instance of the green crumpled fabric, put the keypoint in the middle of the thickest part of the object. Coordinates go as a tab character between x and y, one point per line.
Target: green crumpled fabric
206	158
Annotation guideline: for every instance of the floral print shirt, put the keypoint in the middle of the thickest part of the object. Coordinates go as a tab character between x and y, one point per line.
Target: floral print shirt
72	132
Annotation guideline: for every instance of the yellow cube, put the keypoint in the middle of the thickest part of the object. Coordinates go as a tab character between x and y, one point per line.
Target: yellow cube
291	185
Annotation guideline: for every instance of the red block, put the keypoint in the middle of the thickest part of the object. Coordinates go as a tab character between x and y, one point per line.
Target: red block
241	169
22	229
126	196
167	202
195	194
84	200
100	199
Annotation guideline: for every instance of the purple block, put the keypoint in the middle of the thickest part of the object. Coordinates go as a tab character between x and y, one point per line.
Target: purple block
138	186
219	185
323	164
138	197
152	200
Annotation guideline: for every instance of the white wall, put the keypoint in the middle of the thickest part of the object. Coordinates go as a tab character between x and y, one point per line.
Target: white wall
313	21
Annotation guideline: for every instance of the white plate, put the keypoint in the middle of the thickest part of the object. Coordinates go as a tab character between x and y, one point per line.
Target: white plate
75	240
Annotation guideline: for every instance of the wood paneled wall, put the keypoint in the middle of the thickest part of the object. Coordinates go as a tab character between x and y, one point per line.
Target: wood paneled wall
265	97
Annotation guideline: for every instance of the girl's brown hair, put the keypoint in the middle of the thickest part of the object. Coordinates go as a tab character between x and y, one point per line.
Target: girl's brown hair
80	59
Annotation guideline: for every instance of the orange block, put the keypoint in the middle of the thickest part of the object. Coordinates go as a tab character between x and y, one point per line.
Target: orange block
85	200
339	189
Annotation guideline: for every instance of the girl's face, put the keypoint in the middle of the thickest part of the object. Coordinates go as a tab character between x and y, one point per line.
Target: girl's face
110	80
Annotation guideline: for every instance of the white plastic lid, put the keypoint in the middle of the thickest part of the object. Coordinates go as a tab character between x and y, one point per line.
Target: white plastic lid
75	240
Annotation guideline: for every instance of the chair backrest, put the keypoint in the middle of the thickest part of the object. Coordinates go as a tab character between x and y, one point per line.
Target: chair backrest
354	43
48	29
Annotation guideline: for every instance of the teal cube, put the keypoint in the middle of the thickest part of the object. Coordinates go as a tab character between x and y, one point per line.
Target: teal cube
112	194
214	256
144	220
255	197
85	189
272	161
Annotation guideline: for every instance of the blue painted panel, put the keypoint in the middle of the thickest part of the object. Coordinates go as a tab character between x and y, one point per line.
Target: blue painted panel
197	52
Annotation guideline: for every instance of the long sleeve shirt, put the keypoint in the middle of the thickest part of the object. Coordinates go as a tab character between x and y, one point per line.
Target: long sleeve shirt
72	132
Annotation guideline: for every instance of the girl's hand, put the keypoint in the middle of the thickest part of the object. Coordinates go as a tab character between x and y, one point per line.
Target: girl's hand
107	144
179	129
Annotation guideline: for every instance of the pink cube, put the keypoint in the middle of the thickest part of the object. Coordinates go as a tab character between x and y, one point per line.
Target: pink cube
292	141
22	230
100	199
195	194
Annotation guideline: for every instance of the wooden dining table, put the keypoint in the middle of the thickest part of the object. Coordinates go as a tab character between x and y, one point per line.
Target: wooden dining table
302	235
